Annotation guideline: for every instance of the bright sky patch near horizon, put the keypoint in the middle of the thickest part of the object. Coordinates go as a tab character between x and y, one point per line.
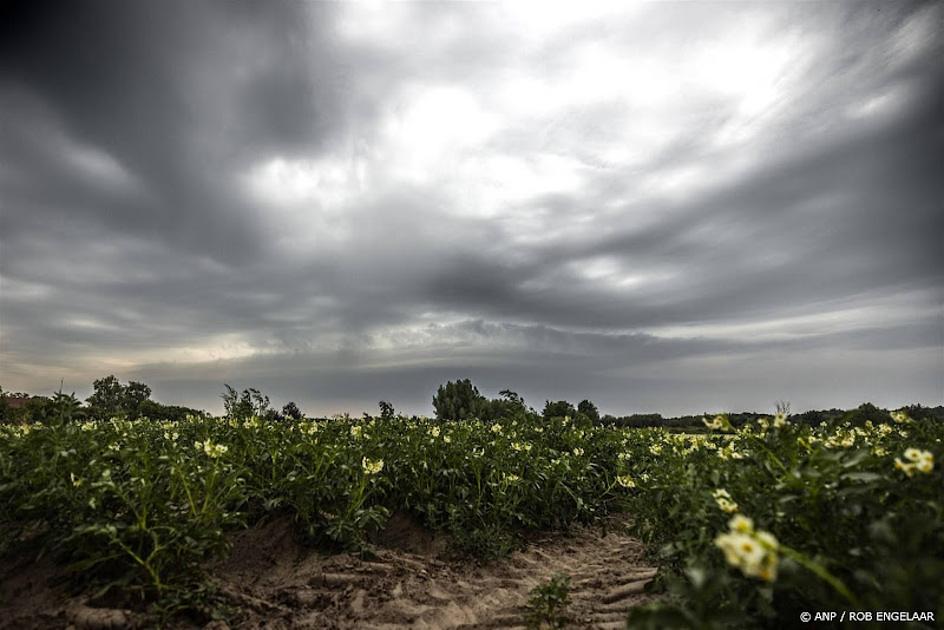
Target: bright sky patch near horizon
671	207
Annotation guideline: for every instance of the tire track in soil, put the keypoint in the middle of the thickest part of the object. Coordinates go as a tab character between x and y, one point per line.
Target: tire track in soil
276	584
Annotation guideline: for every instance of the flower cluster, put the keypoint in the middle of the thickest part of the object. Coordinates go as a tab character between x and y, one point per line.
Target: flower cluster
922	461
626	481
724	501
729	452
753	552
900	417
718	422
212	450
844	439
372	466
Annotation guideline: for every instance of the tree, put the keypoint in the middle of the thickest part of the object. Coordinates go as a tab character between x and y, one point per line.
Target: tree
110	398
250	402
106	399
4	406
589	410
866	412
65	407
508	404
133	397
512	398
558	409
459	400
292	412
386	410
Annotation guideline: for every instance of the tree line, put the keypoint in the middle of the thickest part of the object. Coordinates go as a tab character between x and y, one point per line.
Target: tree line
453	400
110	399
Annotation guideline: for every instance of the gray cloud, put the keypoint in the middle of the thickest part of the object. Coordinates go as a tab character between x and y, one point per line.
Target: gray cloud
667	207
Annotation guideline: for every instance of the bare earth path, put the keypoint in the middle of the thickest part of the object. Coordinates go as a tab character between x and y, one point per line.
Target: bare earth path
410	586
275	583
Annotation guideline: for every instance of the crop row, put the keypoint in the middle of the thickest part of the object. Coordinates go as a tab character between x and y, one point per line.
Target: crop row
750	525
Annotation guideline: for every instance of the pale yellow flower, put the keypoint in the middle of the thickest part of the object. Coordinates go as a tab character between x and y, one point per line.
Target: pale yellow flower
900	417
741	524
211	450
716	423
754	553
919	460
724	501
372	466
768	540
626	481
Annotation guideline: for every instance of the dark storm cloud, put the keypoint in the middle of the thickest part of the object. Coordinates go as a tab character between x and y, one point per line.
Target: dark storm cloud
346	202
177	94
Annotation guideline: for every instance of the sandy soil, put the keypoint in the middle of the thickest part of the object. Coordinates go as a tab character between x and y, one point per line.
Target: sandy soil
410	581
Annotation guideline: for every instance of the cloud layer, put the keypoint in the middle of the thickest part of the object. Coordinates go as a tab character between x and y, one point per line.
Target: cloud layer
663	207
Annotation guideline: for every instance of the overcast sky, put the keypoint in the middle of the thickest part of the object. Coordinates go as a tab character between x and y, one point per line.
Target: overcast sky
661	207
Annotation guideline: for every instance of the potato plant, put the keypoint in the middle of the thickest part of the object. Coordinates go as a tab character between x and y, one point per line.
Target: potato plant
756	525
750	525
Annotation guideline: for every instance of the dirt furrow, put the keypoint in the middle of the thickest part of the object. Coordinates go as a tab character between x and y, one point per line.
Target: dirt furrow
413	586
272	581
